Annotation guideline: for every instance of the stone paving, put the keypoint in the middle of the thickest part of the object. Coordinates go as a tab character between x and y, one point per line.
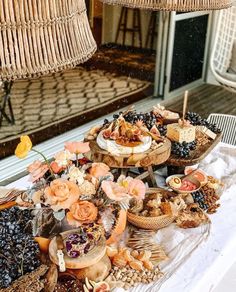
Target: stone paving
40	102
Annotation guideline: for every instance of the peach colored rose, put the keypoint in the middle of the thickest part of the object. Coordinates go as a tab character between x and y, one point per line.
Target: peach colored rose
99	169
61	194
114	191
137	189
55	167
82	212
77	147
37	169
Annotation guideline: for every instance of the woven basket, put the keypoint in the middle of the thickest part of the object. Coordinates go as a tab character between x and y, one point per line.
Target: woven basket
173	5
38	37
151	223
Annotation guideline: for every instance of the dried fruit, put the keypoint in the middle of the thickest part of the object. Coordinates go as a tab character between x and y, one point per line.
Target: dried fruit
101	287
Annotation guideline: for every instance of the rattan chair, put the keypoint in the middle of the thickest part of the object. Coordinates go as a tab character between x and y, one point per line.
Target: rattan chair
224	40
227	123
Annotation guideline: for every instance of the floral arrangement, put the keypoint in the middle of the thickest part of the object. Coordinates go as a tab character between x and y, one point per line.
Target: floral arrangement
75	190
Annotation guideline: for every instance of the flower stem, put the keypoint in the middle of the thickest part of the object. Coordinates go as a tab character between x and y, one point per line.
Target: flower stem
45	159
76	157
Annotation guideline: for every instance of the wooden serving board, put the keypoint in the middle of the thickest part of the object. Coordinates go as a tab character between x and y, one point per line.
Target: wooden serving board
145	159
196	155
91	258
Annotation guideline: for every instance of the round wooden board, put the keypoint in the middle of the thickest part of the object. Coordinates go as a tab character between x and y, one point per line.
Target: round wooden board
91	258
145	159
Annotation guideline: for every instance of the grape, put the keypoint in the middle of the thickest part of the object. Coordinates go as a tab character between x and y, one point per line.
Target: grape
200	198
182	150
18	250
196	120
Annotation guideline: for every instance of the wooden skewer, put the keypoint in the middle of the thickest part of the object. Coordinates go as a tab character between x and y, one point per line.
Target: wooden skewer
185	103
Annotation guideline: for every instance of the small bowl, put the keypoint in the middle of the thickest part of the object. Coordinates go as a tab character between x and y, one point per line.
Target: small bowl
190	178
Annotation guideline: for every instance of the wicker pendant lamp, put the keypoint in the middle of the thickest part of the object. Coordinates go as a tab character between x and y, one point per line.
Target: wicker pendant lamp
38	37
173	5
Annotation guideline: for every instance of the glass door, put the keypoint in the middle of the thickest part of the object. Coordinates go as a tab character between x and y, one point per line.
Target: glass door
187	38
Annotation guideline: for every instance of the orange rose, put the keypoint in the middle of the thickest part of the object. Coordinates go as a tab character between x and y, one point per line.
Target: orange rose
61	194
82	212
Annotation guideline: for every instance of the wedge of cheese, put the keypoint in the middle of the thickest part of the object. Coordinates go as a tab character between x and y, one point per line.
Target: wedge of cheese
177	133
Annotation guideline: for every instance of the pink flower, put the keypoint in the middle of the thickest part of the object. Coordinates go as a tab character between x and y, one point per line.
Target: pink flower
77	147
124	181
114	191
137	189
37	170
55	167
99	169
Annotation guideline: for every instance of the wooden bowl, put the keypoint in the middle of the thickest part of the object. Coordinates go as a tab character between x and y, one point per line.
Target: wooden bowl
91	258
145	159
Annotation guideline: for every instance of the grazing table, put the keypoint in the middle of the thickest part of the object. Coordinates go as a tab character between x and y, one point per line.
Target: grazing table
201	266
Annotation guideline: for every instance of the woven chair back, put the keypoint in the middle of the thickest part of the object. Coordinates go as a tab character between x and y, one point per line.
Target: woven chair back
227	123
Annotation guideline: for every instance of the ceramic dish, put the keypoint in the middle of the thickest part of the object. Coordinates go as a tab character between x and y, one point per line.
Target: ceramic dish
189	178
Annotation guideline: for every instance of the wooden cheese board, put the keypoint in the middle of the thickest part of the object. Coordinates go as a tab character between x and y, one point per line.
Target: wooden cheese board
148	158
196	155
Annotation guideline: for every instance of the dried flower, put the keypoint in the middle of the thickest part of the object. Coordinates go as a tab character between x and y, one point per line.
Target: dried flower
23	147
63	158
114	191
37	169
77	147
137	189
61	194
124	181
99	169
55	167
82	212
75	175
87	188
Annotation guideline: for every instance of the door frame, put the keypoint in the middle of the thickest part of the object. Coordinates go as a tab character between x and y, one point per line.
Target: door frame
164	58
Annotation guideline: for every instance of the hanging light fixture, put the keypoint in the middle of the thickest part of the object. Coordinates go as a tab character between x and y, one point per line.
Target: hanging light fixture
173	5
38	37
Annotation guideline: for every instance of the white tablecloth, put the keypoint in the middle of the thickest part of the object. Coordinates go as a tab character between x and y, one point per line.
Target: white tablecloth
206	265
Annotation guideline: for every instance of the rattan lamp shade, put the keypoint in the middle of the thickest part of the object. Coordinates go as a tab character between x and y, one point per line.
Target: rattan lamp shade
173	5
39	37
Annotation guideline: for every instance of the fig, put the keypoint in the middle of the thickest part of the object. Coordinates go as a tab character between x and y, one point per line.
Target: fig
101	287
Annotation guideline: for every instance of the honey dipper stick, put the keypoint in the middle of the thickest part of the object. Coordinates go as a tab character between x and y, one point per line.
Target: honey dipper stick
185	103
